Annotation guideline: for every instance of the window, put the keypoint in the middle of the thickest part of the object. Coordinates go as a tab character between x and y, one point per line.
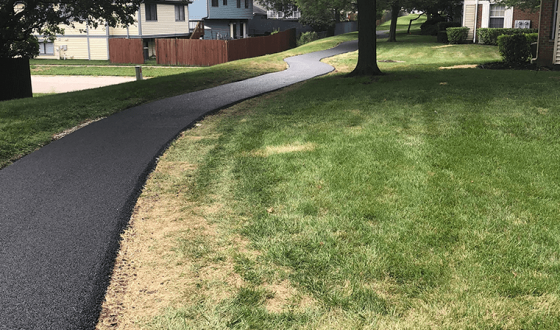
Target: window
46	48
497	14
179	13
238	3
246	3
225	2
214	3
151	12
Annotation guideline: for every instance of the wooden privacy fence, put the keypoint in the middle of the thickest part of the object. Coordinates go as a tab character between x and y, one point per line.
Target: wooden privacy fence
191	51
212	52
126	51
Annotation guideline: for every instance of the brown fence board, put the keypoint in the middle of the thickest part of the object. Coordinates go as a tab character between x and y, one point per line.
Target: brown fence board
212	52
126	51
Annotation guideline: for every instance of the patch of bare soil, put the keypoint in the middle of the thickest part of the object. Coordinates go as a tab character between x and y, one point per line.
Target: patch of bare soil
158	265
463	66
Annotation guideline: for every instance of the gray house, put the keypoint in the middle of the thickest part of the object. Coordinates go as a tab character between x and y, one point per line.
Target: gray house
266	21
222	19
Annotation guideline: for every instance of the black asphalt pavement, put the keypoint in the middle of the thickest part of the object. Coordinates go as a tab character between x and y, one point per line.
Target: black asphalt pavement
63	207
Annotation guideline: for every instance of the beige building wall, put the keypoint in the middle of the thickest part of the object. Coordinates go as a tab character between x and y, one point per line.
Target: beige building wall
99	48
165	23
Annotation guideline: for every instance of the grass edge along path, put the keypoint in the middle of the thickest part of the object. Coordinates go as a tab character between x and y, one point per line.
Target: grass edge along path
28	124
398	202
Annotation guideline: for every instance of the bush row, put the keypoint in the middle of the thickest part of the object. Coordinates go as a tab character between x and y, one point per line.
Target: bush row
442	27
489	36
457	35
307	37
516	49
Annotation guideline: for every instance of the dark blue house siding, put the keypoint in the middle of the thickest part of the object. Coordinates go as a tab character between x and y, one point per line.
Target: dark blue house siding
217	20
220	28
230	11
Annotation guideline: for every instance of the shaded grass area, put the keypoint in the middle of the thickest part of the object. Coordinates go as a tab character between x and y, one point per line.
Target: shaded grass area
403	22
36	61
130	71
28	124
425	198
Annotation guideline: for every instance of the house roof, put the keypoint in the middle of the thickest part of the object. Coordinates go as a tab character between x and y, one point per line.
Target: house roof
258	9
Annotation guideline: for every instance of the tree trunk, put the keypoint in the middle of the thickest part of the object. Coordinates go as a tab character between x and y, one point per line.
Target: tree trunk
16	82
395	9
367	42
337	15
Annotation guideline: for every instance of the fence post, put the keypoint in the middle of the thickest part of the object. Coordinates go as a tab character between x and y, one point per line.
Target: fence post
138	72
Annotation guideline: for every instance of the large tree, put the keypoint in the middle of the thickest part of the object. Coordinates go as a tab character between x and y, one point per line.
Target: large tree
367	40
321	15
22	20
521	4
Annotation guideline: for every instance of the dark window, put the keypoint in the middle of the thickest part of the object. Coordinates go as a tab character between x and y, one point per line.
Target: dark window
225	2
214	3
46	48
179	13
497	13
151	12
246	3
238	3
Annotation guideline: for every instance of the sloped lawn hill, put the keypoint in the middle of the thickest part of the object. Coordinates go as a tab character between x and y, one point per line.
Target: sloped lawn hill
419	199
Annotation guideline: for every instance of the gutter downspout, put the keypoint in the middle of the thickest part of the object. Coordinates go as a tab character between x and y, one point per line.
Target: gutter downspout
107	35
475	22
88	44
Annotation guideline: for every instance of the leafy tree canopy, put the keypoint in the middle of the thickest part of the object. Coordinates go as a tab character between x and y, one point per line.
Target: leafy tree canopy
319	14
521	4
20	20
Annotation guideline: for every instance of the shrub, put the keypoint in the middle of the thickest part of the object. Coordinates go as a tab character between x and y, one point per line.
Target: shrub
457	35
442	37
307	37
515	49
430	27
442	34
532	37
489	36
442	26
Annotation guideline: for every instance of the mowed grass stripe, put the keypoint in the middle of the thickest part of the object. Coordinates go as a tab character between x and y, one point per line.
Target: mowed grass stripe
425	198
421	199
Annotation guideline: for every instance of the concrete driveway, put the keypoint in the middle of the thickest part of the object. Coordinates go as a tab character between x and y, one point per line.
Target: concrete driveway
63	84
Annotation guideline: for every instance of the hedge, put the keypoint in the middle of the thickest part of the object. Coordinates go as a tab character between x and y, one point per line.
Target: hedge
515	49
442	27
457	35
489	36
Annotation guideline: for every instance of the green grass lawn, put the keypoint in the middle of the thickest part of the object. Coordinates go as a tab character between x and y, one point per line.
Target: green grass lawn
403	22
28	124
421	199
36	61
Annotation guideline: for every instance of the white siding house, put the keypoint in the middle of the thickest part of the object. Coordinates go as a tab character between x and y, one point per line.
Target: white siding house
154	20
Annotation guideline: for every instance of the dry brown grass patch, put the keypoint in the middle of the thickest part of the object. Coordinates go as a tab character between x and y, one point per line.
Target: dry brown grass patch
283	149
462	66
443	46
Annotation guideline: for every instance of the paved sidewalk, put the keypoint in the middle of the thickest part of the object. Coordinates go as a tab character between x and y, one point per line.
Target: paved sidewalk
63	207
63	84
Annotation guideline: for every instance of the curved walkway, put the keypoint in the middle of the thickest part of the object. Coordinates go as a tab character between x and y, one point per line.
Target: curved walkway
63	207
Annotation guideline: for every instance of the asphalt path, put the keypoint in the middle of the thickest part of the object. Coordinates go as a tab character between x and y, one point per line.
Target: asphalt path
64	206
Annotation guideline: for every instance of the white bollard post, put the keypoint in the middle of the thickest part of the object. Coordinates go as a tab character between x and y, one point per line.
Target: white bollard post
138	72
